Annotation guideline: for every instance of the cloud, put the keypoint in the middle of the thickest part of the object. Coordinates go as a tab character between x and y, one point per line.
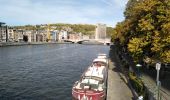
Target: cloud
20	12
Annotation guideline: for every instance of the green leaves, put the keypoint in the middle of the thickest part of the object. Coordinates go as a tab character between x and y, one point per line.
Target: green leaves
166	56
145	25
135	46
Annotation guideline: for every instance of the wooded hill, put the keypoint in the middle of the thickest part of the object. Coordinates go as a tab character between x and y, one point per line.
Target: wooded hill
86	29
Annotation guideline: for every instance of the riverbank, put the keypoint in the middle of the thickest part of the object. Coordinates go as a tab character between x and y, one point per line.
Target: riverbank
28	43
43	43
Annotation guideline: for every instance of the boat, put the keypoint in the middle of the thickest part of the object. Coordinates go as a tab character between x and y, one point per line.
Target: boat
93	82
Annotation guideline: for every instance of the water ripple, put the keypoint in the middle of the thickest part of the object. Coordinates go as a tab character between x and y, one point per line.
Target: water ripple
43	72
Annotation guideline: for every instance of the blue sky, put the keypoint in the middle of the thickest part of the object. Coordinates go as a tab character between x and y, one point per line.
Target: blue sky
22	12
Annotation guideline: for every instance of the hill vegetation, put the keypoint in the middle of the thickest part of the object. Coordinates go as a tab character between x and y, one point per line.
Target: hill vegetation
85	29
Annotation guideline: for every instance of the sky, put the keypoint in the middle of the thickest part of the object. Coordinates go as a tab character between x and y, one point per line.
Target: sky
24	12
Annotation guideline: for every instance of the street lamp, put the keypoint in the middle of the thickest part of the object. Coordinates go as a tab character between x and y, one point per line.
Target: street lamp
138	66
158	67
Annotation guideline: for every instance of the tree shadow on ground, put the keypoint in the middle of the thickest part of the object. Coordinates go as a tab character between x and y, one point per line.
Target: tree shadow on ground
116	70
113	54
113	58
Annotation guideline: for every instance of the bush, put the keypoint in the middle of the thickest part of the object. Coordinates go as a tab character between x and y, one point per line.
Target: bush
125	64
137	83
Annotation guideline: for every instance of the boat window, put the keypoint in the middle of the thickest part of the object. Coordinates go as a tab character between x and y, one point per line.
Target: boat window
91	86
99	63
93	77
82	85
94	86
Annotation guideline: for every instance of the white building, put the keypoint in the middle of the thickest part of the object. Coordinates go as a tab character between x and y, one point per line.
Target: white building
6	33
62	35
100	31
31	35
86	37
20	34
80	35
54	35
10	34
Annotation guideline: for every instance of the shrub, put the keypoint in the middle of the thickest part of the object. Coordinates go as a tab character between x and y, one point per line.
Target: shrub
137	83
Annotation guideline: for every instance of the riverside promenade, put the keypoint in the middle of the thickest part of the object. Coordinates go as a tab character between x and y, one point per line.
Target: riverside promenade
117	88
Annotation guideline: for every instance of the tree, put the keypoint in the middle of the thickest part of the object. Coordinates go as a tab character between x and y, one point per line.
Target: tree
146	29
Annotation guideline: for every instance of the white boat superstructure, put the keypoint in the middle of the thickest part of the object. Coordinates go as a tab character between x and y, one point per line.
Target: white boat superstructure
93	80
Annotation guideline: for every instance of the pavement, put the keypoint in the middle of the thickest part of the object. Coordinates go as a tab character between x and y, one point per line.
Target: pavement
117	88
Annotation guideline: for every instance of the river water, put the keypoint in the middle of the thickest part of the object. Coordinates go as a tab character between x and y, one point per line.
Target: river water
43	72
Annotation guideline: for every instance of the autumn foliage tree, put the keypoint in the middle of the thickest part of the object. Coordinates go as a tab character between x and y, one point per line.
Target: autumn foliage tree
146	29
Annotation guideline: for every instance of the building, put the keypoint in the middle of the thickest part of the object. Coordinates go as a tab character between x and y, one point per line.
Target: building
41	36
62	35
80	35
29	36
74	36
6	33
54	35
100	31
92	36
3	32
86	37
10	34
19	35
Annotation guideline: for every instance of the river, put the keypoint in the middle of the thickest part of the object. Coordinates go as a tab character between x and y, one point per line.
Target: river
43	72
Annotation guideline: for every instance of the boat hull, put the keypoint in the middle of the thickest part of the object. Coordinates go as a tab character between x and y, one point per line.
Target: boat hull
88	95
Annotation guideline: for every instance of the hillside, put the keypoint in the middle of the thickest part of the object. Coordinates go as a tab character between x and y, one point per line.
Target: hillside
86	29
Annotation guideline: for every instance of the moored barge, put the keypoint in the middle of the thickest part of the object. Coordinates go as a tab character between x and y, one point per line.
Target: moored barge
93	82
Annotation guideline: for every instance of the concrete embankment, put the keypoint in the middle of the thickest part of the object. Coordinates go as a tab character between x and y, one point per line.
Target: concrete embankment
43	43
33	43
12	44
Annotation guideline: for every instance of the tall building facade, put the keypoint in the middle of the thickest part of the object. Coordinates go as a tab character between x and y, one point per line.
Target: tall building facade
10	34
100	31
3	32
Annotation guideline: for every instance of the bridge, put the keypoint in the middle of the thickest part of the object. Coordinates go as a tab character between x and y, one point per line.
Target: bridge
80	41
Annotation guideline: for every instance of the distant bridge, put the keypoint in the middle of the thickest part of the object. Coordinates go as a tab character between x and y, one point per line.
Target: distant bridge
103	41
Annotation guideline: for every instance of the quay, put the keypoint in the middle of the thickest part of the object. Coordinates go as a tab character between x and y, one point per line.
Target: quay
117	88
42	43
28	43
